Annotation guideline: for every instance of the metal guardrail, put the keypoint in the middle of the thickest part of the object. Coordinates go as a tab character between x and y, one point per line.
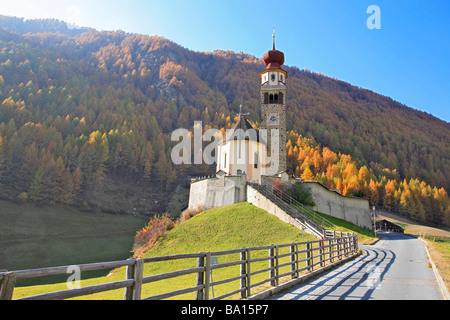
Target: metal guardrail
311	214
301	257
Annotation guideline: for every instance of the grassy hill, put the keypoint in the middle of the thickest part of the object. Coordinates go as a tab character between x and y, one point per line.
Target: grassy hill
236	226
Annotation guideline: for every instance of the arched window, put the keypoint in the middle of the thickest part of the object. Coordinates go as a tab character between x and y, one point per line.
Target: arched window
256	160
273	98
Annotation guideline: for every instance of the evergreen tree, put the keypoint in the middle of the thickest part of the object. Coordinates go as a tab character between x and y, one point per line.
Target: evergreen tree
36	192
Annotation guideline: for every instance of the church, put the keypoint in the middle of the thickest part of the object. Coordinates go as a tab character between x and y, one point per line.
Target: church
246	154
254	153
249	160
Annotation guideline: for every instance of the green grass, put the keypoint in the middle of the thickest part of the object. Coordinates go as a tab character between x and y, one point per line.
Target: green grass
365	236
32	237
236	226
232	227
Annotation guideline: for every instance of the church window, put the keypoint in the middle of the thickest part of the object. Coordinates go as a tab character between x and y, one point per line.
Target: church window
239	147
256	160
273	76
273	98
224	159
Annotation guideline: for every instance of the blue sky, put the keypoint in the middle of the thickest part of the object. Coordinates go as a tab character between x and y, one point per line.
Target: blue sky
407	59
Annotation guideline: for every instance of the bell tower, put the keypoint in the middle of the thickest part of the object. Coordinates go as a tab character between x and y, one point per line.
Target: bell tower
273	107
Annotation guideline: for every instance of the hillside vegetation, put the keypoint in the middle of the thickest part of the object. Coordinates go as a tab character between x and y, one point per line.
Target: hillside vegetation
236	226
79	111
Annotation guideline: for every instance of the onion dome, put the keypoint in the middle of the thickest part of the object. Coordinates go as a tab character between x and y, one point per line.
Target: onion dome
273	59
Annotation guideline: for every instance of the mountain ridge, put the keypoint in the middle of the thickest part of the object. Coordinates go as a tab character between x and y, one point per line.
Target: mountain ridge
123	94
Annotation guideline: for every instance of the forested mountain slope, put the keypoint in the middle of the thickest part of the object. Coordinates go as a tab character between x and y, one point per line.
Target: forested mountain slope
79	108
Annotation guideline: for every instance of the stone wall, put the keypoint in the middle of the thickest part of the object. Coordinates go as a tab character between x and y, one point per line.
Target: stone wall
351	209
260	201
218	191
224	190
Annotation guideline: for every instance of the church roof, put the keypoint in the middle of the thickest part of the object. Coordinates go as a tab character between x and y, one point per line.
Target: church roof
273	59
246	132
243	124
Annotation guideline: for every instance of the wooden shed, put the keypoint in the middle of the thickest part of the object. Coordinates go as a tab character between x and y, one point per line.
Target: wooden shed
385	225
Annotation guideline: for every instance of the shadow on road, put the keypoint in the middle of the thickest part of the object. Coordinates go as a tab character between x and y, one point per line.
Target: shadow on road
355	280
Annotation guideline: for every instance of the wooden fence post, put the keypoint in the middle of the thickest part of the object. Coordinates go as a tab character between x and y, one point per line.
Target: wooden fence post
330	250
128	294
244	274
7	286
277	270
294	267
248	273
207	275
321	253
272	265
347	245
199	295
135	272
308	255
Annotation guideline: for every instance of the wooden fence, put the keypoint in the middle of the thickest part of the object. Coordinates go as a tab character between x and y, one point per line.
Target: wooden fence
279	263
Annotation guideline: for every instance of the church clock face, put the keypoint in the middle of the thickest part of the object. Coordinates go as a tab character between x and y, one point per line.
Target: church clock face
273	119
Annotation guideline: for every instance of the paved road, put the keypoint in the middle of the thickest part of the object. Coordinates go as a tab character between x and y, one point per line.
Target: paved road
396	268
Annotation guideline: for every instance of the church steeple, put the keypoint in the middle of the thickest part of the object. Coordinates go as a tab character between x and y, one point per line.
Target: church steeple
273	104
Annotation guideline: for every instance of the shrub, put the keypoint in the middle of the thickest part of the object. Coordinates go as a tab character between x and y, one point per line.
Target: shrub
146	237
189	213
296	191
300	193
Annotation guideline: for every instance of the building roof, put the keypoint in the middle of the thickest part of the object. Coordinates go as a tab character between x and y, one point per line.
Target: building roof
243	124
273	59
242	130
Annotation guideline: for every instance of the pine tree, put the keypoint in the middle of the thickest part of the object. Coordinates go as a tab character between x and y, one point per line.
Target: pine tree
28	168
62	183
76	182
146	160
36	192
373	193
389	196
307	174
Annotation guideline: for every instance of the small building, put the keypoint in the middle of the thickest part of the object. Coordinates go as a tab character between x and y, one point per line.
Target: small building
387	226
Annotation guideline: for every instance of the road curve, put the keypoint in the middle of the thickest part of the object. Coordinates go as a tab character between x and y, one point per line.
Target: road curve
396	268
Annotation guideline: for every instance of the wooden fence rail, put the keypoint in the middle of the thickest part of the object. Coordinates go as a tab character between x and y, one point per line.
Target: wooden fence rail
302	257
